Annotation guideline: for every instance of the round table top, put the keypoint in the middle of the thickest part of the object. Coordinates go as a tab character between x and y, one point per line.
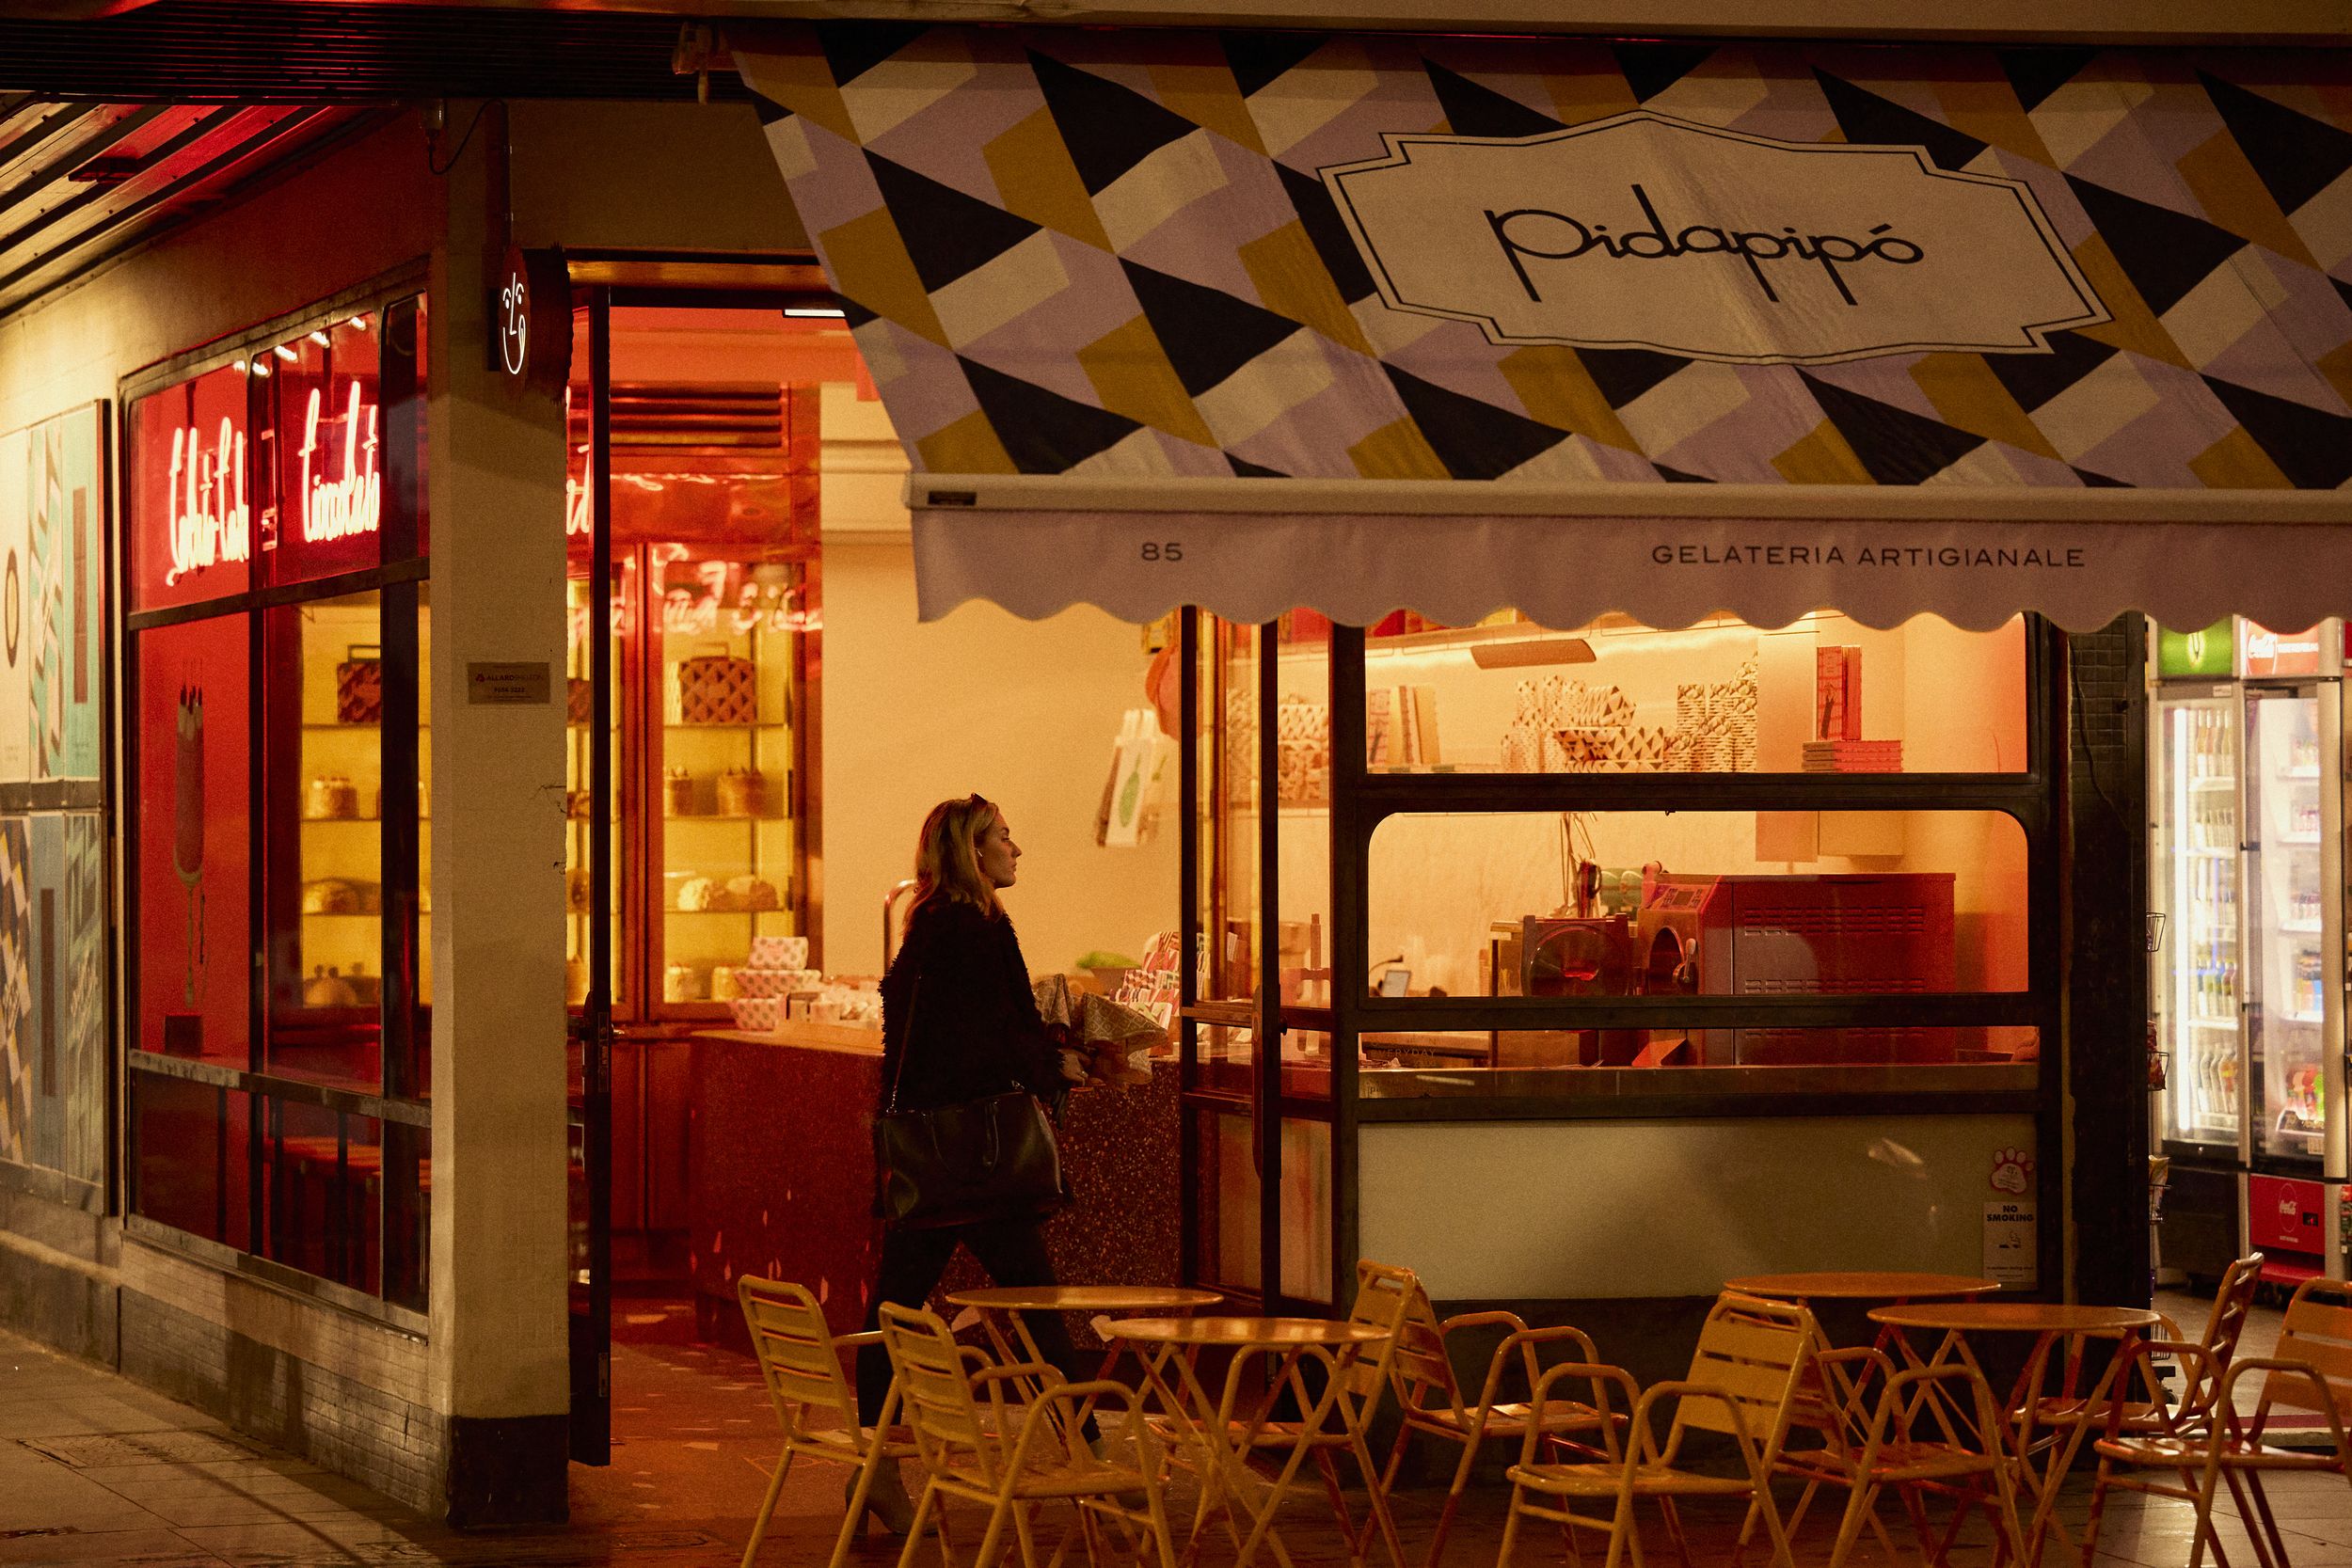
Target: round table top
1861	1285
1086	1298
2019	1317
1269	1333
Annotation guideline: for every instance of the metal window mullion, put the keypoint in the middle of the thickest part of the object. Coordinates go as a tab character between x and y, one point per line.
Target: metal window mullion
1351	915
1189	928
1268	1032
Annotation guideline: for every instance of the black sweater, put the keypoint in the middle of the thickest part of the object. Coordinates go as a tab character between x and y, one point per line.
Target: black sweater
960	978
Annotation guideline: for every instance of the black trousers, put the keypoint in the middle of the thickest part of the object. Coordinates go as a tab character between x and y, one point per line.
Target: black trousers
1013	1253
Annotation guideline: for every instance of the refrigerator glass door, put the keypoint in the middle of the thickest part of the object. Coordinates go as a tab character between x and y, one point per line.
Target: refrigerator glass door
2196	975
2287	961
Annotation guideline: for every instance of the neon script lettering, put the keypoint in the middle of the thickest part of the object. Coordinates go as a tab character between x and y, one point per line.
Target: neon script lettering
207	514
339	507
1539	234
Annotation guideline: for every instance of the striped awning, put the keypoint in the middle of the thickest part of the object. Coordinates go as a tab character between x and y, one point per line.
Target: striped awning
1449	323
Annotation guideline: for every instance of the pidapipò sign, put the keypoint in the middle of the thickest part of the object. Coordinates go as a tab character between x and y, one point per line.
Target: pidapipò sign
1646	231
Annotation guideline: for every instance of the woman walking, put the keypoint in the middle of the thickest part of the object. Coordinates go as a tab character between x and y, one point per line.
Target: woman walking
960	1023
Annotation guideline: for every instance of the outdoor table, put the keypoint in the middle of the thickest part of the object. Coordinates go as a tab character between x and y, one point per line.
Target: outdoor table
1226	1438
998	1304
2047	1322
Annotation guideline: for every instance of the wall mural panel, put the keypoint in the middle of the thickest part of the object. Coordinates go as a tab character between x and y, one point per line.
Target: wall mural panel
53	1003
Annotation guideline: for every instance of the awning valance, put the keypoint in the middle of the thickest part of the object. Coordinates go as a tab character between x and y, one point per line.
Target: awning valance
1497	322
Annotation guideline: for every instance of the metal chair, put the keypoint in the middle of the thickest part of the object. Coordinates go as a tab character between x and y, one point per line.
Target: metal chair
2311	1371
799	1360
1430	1401
1014	1462
1967	1443
1744	1381
2203	1361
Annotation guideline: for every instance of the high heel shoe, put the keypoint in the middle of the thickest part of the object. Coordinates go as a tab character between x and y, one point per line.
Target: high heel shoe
887	1501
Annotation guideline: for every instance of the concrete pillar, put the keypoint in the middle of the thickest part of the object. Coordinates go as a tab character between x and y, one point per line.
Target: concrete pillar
499	1365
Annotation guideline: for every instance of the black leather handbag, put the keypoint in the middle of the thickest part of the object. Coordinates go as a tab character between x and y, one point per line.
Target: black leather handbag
982	1159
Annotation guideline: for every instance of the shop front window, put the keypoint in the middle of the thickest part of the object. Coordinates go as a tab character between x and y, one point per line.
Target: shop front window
282	768
1619	862
1824	695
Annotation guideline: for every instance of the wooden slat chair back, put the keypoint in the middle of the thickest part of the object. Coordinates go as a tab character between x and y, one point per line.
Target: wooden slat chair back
800	1363
2316	1333
934	1378
1384	1299
798	1356
1754	1351
2311	1371
1014	1459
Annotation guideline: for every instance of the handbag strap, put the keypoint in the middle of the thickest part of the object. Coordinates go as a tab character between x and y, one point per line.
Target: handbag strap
906	1044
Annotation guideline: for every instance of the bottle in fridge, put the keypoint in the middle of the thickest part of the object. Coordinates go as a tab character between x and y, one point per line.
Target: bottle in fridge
2194	887
2293	924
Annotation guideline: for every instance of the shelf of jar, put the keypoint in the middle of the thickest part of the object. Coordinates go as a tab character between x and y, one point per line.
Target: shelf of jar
737	912
727	816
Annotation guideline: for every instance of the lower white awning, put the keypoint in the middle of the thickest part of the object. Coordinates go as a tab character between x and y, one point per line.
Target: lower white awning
1666	556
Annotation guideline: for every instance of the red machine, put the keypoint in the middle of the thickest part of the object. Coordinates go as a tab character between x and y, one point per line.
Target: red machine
1799	936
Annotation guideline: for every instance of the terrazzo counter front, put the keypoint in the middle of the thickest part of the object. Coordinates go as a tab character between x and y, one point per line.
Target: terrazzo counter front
781	1175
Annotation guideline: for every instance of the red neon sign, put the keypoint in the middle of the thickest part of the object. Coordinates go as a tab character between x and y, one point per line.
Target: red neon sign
354	503
207	517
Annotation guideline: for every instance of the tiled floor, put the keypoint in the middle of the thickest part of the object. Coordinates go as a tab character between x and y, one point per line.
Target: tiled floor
96	1470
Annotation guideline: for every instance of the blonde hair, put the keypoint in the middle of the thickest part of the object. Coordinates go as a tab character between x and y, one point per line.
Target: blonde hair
946	855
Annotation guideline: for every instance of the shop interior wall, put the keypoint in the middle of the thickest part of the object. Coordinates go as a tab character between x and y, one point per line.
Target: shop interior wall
1024	712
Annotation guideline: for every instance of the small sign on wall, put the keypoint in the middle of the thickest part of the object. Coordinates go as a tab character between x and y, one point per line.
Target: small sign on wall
2012	1245
508	684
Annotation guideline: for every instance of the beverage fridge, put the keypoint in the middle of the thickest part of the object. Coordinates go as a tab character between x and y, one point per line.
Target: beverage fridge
2246	788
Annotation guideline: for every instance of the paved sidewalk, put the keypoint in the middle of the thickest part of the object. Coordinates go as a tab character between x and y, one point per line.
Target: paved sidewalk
94	1469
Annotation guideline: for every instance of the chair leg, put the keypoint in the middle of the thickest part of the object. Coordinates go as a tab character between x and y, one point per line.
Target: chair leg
2278	1553
2204	1515
1672	1516
2098	1508
914	1530
768	1506
993	1542
1510	1528
1452	1501
1861	1503
1625	1533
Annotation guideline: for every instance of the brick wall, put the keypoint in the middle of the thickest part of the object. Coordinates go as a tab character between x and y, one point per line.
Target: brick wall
2106	962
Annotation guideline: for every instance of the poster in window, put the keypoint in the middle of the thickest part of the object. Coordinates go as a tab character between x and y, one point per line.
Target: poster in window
16	516
61	613
20	1063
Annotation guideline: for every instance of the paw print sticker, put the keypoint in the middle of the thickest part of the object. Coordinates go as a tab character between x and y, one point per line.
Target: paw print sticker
2012	1171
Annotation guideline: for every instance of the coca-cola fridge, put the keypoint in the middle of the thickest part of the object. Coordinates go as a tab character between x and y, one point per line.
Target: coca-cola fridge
2246	786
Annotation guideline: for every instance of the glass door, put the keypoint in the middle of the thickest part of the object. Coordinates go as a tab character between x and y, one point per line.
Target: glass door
1258	1138
2288	966
2196	892
594	705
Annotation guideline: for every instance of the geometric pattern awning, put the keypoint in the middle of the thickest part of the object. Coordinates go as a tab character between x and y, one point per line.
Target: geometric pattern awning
1121	256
